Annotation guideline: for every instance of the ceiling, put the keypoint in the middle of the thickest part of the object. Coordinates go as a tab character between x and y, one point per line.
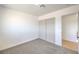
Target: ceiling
35	9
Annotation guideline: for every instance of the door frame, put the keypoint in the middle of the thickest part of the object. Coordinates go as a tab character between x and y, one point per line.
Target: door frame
77	17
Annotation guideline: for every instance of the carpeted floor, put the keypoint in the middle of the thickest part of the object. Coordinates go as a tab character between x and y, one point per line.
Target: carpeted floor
37	47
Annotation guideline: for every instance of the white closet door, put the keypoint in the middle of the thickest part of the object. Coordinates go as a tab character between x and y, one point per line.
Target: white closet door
50	30
42	29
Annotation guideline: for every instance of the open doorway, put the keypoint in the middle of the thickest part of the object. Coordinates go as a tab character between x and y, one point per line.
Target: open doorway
69	31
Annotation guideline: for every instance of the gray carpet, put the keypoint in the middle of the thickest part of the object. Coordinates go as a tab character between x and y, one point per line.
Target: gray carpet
37	47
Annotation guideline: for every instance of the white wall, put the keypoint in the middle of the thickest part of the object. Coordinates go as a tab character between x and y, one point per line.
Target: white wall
58	23
69	27
16	27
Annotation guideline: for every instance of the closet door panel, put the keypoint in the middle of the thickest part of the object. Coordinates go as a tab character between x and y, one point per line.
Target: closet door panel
43	29
50	30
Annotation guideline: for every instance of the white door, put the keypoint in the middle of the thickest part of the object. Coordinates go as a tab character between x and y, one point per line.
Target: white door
50	30
47	30
42	29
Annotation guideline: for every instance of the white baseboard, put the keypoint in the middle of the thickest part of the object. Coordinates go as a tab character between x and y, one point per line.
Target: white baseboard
52	42
19	43
48	41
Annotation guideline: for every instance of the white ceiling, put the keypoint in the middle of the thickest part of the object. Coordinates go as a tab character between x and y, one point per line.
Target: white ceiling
35	9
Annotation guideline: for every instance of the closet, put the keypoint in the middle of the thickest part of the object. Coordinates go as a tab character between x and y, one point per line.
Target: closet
47	30
42	29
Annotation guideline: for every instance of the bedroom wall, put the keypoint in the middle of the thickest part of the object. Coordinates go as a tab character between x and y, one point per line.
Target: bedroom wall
16	28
